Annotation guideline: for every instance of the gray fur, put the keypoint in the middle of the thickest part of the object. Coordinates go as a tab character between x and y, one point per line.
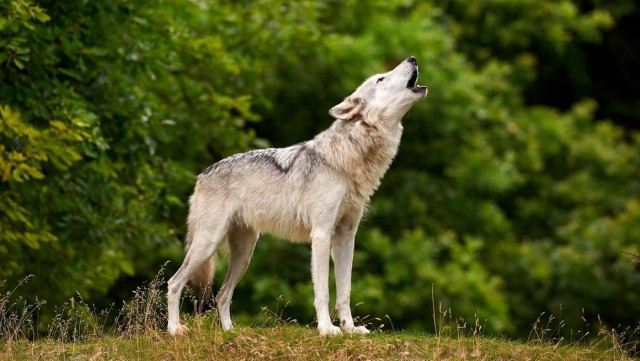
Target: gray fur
315	191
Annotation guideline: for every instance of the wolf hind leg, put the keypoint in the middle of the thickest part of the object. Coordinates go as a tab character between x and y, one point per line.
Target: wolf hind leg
242	242
207	235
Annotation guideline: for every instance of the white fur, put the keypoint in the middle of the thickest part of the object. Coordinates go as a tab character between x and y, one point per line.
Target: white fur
314	191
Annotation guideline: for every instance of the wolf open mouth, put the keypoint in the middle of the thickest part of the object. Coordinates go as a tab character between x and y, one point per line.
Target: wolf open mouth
412	81
411	84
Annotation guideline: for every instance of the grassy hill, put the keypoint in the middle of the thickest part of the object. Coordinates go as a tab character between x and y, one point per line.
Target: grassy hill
293	342
79	332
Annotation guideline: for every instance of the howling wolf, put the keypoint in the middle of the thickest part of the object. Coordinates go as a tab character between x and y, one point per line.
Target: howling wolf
314	191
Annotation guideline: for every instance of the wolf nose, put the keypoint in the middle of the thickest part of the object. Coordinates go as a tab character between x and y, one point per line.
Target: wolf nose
412	59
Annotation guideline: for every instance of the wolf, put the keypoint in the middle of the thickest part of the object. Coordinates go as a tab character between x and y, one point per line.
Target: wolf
315	191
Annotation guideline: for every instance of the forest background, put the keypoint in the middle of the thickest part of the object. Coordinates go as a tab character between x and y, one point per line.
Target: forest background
516	190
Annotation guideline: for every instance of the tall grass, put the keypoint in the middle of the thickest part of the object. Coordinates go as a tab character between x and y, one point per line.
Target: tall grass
147	310
17	316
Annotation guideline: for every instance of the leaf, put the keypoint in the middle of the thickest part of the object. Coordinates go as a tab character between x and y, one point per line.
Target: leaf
22	50
18	63
5	169
17	174
41	15
171	199
127	268
34	172
58	125
31	240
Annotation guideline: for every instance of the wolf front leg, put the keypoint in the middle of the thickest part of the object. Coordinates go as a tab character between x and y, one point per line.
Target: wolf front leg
320	253
342	243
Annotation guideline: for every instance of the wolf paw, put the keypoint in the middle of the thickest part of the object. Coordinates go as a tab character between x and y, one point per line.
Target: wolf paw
177	330
227	325
360	330
329	331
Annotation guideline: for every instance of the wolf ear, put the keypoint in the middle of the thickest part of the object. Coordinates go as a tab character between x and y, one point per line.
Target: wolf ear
350	109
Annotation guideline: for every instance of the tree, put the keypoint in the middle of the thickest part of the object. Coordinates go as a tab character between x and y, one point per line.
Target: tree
89	186
503	206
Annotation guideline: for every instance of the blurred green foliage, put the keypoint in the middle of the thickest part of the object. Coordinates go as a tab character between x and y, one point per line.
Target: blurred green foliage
503	207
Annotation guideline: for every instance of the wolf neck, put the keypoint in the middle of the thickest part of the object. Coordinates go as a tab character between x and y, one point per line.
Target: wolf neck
362	152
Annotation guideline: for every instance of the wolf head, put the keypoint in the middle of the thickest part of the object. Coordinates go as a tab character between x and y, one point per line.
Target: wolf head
385	96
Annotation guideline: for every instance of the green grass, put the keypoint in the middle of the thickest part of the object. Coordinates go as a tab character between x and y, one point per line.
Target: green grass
79	332
293	342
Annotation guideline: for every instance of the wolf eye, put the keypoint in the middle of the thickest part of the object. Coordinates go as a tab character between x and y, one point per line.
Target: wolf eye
379	80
